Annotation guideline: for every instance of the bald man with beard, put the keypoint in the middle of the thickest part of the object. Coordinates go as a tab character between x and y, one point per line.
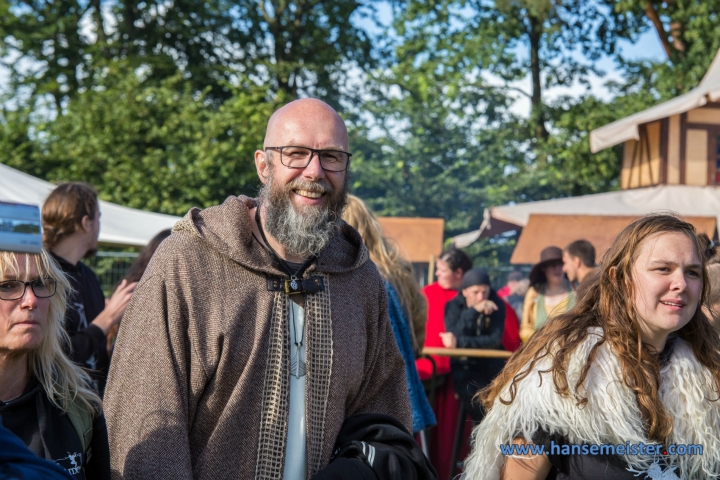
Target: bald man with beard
257	344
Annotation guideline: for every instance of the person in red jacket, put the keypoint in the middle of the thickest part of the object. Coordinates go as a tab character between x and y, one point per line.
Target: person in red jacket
449	270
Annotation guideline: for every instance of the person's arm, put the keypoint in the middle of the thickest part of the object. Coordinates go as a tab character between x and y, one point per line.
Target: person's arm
527	323
492	340
115	307
17	462
525	467
147	398
87	343
91	342
453	323
418	319
384	386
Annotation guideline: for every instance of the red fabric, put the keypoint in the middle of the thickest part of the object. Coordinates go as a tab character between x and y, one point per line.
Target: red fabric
436	297
511	334
446	408
504	292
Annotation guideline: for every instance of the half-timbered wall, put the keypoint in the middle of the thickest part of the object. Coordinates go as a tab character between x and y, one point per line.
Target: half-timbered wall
678	150
641	158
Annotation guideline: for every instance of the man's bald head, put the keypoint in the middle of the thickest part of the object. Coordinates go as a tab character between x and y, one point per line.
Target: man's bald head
305	121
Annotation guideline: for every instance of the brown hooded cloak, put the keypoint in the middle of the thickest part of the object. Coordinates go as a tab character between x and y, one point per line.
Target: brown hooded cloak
199	382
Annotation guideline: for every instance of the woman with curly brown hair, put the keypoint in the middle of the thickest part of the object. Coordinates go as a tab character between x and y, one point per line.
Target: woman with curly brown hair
635	363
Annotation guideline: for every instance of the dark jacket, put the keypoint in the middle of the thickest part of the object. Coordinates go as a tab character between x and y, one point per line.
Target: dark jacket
48	432
19	463
376	447
472	328
475	330
89	345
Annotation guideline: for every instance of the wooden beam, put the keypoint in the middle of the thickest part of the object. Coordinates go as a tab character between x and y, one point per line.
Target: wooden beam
466	352
664	139
683	143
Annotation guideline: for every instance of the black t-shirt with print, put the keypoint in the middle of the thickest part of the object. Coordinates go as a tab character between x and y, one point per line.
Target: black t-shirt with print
89	344
50	434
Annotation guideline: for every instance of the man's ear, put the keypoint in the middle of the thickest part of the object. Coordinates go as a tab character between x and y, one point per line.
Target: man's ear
261	165
85	223
577	262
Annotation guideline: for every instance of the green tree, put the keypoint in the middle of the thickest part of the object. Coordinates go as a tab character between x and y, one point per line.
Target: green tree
445	143
157	148
689	32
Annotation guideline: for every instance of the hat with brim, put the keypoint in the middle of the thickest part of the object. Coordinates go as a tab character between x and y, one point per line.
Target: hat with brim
547	256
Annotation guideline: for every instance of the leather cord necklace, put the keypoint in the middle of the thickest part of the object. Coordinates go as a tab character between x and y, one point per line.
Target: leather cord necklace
294	278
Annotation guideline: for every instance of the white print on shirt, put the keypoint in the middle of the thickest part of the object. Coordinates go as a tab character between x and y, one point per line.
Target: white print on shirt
656	472
80	308
72	463
92	362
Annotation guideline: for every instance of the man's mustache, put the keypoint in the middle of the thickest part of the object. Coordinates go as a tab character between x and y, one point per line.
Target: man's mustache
322	186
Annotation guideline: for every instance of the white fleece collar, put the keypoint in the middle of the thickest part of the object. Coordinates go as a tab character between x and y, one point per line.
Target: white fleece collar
611	415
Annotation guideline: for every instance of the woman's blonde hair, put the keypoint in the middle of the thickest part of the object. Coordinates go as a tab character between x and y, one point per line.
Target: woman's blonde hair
393	268
64	382
609	303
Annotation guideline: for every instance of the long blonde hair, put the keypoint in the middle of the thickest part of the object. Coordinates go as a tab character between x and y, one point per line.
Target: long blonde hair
393	268
64	382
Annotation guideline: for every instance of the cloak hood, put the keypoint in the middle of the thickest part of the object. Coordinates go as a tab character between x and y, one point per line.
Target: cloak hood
227	228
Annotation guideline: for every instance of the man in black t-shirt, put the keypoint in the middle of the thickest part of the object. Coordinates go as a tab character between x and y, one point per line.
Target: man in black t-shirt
71	225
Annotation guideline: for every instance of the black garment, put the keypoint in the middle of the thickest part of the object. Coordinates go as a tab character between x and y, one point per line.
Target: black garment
576	467
50	434
19	463
474	329
376	447
89	345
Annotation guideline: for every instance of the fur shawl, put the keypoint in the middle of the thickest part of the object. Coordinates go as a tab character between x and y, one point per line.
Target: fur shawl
611	415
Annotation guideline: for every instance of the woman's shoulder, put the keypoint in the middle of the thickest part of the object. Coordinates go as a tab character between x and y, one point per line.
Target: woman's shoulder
531	294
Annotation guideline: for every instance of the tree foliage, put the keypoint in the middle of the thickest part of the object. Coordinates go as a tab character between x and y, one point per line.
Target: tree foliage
161	104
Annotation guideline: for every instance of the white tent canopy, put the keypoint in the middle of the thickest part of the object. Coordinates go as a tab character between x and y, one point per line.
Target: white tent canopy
685	200
118	226
627	128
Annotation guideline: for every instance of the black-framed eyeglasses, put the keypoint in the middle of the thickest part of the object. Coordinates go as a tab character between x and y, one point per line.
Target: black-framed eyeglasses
300	157
15	289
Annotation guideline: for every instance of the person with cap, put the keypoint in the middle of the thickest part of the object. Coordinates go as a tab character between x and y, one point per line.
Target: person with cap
475	318
549	294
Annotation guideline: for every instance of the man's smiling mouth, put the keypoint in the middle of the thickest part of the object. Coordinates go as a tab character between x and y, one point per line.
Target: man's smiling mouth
308	193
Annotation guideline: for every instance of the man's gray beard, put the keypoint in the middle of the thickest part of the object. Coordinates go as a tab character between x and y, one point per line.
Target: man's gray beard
308	231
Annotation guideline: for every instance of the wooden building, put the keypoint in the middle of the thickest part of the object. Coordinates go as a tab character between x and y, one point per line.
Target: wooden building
674	143
419	240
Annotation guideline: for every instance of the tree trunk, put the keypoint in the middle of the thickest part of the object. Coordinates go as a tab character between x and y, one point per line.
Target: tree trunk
99	25
536	115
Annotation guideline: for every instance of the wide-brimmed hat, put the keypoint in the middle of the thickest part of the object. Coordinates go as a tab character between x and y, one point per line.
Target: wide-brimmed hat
548	255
